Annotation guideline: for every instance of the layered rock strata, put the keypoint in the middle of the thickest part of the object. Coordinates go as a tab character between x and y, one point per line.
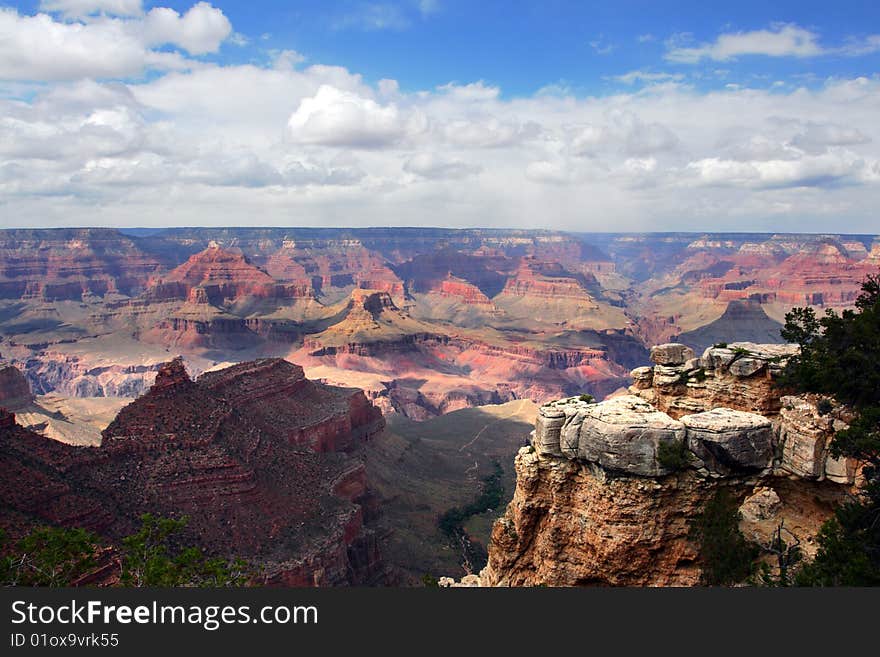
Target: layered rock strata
263	461
599	500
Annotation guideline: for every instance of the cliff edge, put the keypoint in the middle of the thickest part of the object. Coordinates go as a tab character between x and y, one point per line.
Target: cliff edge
598	501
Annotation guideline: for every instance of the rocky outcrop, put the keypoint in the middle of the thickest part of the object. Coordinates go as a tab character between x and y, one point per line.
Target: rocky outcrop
671	354
806	426
726	441
170	374
264	462
606	490
14	388
622	434
571	523
739	376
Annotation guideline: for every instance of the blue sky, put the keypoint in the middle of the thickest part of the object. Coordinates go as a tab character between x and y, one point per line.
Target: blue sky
524	46
686	115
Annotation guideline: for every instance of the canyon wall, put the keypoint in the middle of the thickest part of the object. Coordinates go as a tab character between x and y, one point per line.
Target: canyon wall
265	463
596	503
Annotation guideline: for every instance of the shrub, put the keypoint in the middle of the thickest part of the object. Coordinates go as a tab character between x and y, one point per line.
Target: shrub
726	557
50	556
586	398
673	455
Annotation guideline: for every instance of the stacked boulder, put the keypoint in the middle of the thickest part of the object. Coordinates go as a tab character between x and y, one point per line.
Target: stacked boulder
739	375
721	411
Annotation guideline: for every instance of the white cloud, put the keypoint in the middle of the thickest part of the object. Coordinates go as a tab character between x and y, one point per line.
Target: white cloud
817	137
431	165
488	132
779	41
199	31
545	171
39	47
810	171
428	7
342	118
857	47
82	8
474	92
622	132
320	143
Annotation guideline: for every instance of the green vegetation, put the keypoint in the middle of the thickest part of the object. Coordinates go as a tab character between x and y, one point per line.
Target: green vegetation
49	556
726	557
673	455
491	497
587	398
840	357
55	556
150	560
451	523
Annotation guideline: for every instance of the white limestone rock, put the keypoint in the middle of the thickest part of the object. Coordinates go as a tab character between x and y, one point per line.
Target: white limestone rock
729	441
671	353
621	434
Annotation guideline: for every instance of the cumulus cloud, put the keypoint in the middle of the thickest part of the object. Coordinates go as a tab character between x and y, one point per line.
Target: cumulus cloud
320	142
39	47
779	41
336	117
489	132
474	92
623	132
199	31
823	170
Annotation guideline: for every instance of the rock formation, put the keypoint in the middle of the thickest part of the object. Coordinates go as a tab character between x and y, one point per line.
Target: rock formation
222	277
14	388
263	461
598	502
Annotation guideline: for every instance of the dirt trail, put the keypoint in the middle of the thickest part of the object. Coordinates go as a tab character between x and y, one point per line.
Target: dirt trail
496	420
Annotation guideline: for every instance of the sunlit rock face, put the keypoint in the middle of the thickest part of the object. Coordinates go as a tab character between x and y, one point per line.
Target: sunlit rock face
598	502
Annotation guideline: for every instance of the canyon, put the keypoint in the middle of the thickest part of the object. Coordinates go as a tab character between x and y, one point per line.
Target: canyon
316	399
425	320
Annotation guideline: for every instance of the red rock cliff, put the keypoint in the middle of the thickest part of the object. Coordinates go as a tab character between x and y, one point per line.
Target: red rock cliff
252	454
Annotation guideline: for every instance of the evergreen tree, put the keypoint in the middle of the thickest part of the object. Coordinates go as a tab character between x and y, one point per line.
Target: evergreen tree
840	357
